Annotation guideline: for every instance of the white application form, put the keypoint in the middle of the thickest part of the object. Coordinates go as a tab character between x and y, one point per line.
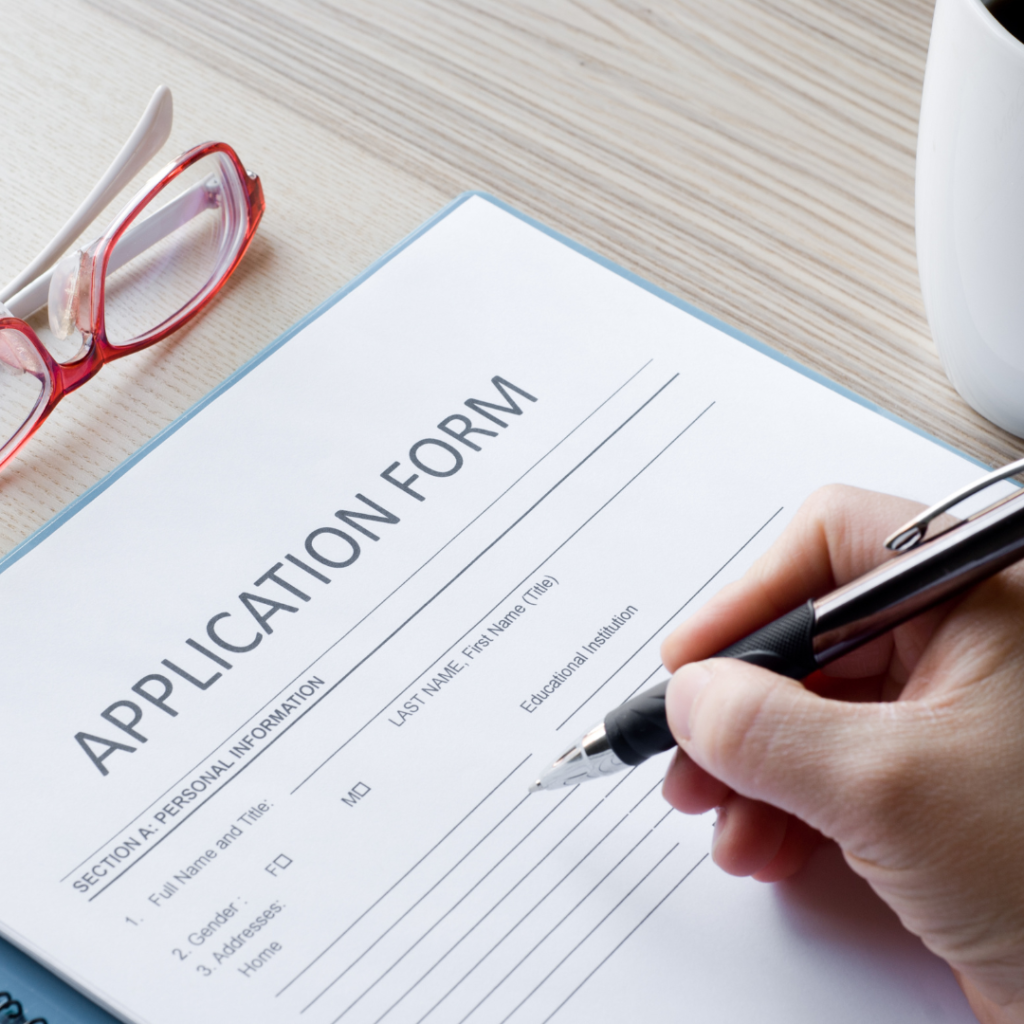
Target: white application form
272	697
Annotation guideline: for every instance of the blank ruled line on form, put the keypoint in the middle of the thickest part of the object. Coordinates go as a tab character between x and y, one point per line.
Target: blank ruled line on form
387	597
522	894
673	617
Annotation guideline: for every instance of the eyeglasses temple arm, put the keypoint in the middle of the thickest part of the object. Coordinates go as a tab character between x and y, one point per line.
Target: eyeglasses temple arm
158	225
137	239
145	141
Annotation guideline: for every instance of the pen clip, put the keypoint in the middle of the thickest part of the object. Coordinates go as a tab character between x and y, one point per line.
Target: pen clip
910	534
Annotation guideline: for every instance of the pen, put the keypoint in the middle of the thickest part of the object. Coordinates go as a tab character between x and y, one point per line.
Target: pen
923	574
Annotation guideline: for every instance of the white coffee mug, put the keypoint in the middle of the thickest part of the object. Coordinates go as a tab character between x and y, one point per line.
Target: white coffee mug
970	207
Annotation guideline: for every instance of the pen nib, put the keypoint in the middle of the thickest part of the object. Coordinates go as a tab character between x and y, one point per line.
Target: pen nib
591	757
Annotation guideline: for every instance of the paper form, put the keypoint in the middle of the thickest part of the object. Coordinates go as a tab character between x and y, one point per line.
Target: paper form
273	698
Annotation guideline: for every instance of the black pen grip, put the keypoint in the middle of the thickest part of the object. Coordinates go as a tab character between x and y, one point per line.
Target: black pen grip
786	646
639	729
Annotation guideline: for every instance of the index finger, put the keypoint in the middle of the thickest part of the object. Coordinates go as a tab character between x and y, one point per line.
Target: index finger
837	535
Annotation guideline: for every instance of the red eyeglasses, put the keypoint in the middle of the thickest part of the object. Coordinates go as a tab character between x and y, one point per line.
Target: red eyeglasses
160	262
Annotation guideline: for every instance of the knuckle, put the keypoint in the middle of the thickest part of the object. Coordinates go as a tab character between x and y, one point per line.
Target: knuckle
822	504
832	494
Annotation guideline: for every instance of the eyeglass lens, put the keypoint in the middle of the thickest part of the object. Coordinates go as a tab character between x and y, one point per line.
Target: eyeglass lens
23	384
149	284
172	254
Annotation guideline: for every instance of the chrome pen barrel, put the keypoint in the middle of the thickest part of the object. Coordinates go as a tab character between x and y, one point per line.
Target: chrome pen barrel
923	577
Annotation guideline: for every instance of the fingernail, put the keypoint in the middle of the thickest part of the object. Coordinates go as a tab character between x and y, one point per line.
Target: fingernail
716	835
683	690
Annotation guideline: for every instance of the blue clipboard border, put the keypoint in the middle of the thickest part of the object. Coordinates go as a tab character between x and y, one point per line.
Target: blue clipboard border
100	486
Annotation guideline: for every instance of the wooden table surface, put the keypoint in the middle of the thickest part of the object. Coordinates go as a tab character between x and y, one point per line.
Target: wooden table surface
755	157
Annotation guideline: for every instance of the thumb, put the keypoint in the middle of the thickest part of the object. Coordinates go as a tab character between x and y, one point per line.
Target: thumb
828	762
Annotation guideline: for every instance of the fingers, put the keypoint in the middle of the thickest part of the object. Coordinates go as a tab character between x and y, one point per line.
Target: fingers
769	753
750	838
837	535
770	740
984	1009
690	789
797	846
754	838
748	835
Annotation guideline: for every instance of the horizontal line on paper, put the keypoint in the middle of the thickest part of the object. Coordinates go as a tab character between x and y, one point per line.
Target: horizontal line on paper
379	646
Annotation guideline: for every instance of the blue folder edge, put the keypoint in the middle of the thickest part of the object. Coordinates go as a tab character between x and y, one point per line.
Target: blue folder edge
43	994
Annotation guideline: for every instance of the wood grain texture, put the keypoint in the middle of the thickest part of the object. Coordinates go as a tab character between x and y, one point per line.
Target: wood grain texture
755	157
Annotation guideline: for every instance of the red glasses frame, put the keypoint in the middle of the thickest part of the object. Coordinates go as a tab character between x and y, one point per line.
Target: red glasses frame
63	378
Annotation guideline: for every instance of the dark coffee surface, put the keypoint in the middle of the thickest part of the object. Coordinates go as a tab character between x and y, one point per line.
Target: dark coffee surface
1010	14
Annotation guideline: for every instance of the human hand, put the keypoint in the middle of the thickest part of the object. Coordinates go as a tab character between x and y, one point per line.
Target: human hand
909	752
